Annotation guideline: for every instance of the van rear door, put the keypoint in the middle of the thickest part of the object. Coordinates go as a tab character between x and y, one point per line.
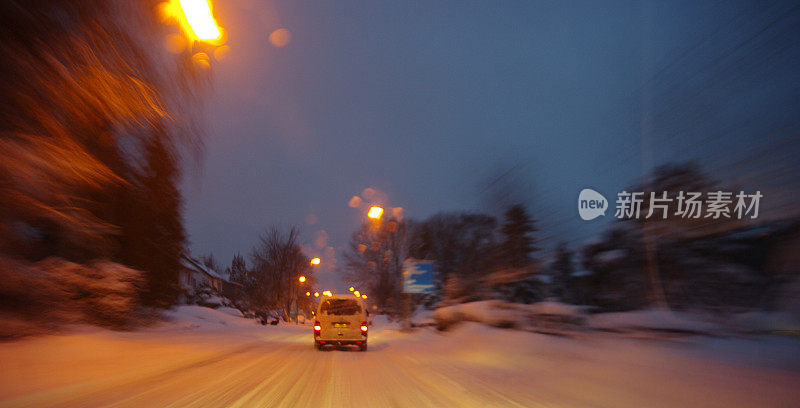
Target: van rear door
340	319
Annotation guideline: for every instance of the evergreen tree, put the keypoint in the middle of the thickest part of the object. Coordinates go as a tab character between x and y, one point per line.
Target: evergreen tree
238	268
562	270
518	243
152	234
515	253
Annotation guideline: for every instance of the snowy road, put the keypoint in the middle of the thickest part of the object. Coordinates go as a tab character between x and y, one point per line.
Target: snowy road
238	364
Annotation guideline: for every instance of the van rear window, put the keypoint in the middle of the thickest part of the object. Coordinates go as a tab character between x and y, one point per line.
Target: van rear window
340	307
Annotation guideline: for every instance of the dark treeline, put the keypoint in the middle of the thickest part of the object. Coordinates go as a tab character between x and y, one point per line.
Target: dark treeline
476	256
723	265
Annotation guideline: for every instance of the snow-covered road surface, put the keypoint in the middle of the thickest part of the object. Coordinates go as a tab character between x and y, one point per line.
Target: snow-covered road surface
229	362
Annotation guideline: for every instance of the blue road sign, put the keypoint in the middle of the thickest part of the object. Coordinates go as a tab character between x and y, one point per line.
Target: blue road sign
417	276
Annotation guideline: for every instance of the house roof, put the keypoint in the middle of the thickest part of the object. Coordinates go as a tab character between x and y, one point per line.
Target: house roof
196	265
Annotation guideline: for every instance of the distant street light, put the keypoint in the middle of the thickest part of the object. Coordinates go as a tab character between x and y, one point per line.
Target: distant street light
375	212
308	293
316	294
302	279
316	261
364	296
351	289
357	293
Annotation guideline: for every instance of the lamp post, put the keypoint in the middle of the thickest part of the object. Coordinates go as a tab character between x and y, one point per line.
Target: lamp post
301	280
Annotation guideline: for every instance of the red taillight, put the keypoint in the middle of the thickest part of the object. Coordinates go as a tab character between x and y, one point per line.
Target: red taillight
364	327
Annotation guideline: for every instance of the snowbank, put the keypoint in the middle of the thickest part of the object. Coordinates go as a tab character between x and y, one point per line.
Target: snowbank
423	317
766	322
200	317
45	295
491	312
560	318
496	313
651	320
550	307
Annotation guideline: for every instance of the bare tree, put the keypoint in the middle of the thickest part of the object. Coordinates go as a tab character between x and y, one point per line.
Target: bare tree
277	263
375	260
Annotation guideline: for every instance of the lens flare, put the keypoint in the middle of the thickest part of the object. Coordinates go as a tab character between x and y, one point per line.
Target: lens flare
280	37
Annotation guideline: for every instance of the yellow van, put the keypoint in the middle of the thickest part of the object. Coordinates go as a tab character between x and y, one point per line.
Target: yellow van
341	320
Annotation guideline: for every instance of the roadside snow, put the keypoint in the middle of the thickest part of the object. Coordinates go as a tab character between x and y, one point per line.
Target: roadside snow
554	308
490	312
547	315
663	320
766	322
224	360
198	317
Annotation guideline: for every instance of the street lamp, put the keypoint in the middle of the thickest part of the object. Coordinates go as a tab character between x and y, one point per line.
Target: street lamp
375	212
357	293
316	294
351	289
316	261
308	293
302	279
363	296
199	21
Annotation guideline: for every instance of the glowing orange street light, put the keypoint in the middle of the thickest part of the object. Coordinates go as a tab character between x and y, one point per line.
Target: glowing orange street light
357	293
375	212
315	261
363	296
302	279
308	293
316	294
199	19
351	289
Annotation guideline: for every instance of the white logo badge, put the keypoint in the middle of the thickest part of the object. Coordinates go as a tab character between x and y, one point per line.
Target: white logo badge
591	204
